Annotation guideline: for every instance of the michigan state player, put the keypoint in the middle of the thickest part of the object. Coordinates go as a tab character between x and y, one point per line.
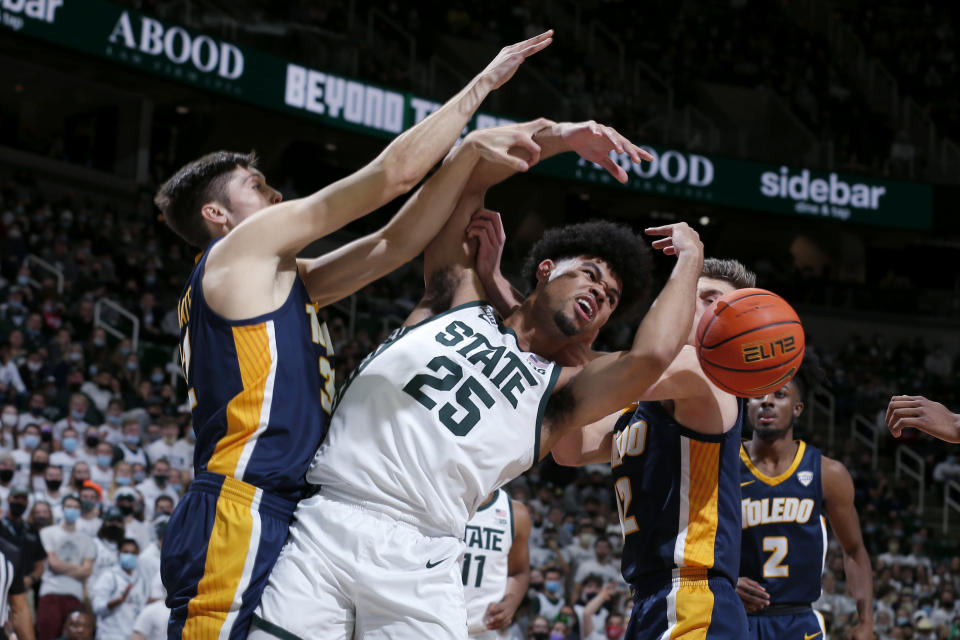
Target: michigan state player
673	456
787	488
258	362
496	565
458	402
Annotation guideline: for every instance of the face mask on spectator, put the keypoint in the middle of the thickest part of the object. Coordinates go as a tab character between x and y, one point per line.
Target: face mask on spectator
92	441
115	420
40	523
36	411
132	366
568	526
139	476
46	435
540	635
123	481
176	487
77	415
104	460
54	485
34	366
128	561
70	444
156	378
160	479
17	508
126	509
87	505
70	514
6	475
31	441
99	342
125	351
23	280
113	532
75	356
92	371
556	635
9	419
553	586
614	632
132	440
586	539
38	467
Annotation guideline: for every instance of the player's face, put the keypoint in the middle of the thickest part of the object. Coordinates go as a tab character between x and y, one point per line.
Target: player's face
581	294
772	415
248	193
708	290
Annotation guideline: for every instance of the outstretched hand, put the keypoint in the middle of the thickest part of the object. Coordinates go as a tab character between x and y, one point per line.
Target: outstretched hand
920	413
678	239
594	142
494	145
511	57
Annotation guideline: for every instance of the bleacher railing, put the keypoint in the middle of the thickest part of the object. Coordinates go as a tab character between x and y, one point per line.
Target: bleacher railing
100	321
864	432
949	503
57	272
909	463
822	411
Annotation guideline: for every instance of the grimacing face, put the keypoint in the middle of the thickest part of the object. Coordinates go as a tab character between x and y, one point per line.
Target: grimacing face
580	294
708	290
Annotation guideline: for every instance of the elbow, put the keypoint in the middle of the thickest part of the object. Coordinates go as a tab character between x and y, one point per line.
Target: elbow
565	458
398	176
653	361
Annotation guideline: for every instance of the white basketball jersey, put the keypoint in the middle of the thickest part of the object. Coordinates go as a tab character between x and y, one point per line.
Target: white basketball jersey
435	419
488	540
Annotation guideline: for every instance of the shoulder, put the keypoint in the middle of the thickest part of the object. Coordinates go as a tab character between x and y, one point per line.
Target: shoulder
836	481
833	470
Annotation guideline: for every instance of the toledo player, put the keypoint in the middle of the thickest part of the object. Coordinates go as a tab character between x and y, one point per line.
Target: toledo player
923	414
673	456
495	565
454	405
787	486
258	362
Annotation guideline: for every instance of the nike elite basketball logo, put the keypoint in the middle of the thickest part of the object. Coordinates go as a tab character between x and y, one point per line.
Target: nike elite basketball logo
810	636
431	565
743	484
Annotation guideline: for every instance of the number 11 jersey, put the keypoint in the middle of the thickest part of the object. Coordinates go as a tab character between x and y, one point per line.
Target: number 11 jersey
435	419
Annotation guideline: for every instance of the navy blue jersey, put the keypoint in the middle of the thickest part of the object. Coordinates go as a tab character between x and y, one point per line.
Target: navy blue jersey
260	390
678	493
784	532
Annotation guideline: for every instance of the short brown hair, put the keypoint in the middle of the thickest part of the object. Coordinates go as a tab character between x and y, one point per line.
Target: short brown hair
730	271
181	197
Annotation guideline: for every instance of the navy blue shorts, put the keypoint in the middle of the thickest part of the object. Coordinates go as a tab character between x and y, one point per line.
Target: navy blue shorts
702	608
808	625
220	545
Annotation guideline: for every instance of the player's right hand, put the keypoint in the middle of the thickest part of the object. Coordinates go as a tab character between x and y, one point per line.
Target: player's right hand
678	239
494	145
919	413
754	596
487	228
511	57
594	142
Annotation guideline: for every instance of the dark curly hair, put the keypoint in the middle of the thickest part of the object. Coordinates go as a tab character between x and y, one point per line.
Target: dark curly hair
195	184
616	244
810	375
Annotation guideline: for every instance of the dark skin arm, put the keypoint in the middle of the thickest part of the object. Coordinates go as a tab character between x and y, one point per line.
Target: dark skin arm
499	614
838	502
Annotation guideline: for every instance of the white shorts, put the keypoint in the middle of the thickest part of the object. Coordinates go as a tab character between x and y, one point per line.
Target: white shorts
348	571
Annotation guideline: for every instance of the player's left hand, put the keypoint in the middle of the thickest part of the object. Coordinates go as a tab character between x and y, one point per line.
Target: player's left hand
494	145
753	595
917	412
497	616
594	142
511	57
487	228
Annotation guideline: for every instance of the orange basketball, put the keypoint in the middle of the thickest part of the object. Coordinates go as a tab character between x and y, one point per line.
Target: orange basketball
750	342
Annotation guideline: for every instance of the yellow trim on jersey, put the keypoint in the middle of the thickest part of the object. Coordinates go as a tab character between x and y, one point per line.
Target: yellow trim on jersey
702	521
630	409
243	411
226	556
745	457
694	609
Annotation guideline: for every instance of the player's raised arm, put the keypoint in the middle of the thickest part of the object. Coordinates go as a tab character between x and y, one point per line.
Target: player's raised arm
341	272
612	381
283	229
842	514
923	414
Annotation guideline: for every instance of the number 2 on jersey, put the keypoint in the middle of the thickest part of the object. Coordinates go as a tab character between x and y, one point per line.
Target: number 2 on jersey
624	496
772	567
320	335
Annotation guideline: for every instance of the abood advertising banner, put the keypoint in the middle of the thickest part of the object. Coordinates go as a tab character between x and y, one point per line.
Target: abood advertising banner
103	29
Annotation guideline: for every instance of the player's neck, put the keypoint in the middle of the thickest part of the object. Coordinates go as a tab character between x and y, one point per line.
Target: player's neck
774	453
534	334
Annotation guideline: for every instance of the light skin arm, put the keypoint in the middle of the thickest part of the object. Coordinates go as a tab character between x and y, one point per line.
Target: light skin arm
590	609
923	414
340	273
136	635
612	381
838	501
499	614
21	617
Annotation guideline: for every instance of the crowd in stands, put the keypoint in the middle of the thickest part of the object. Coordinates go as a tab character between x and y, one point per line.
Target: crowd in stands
96	444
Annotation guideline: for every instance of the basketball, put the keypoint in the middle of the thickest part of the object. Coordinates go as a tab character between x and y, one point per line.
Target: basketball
750	342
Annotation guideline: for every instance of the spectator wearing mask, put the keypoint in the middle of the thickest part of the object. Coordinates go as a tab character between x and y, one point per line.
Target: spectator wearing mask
539	629
29	441
34	370
24	535
551	600
8	469
112	428
107	540
130	447
127	502
88	448
77	411
122	479
139	472
155	486
100	389
90	496
66	457
116	595
601	564
9	420
597	618
39	461
11	384
36	411
163	508
70	556
101	468
52	491
582	547
177	452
